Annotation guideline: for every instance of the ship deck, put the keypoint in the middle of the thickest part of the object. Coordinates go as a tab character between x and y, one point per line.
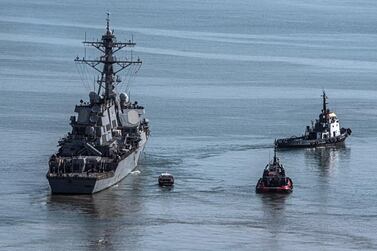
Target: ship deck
97	176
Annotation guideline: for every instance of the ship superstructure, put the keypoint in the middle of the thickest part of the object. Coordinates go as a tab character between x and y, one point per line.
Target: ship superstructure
325	131
109	132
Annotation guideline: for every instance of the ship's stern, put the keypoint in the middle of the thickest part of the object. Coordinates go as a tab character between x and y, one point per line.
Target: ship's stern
71	184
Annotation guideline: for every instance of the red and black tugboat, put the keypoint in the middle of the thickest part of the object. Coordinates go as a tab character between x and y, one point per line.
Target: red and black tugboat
274	179
325	132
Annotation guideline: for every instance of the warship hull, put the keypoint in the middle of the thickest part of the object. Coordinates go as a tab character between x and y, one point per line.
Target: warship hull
301	142
81	183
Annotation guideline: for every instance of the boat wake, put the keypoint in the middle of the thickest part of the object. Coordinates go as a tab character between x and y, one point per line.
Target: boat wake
136	172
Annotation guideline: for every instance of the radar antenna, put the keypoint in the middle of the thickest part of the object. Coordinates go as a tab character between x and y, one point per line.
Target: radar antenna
108	21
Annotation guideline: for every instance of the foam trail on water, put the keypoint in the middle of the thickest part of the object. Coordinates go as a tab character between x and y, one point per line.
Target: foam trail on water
136	172
317	62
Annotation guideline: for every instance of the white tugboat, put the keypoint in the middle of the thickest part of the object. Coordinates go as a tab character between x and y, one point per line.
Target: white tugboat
109	133
325	131
166	179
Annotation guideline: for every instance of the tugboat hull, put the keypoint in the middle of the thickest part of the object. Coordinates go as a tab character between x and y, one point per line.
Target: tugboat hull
301	142
82	183
261	188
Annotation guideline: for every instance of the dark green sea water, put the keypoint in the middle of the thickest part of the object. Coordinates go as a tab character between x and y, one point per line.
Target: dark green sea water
220	80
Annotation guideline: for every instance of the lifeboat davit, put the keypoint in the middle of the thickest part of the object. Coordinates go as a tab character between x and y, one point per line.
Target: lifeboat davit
274	179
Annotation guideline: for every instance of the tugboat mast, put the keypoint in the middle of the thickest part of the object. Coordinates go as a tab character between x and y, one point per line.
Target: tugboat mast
275	159
324	97
108	46
323	115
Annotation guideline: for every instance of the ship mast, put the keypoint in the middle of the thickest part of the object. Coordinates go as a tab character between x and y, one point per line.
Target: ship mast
275	159
324	97
108	46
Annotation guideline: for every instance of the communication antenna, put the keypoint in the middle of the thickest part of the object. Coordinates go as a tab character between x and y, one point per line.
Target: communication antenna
108	65
84	46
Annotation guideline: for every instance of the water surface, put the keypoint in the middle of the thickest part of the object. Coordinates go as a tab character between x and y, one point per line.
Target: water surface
220	80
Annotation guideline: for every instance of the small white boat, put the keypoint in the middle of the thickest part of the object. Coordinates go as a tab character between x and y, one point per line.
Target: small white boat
166	179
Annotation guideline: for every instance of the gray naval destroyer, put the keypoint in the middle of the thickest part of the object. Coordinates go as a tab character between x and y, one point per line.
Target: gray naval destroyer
325	132
109	133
